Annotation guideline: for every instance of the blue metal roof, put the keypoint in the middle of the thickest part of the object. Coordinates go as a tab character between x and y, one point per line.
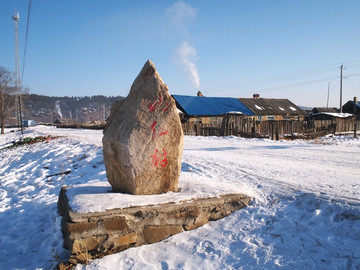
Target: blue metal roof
210	106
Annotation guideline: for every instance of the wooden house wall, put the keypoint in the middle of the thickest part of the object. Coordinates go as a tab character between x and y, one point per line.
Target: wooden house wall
249	127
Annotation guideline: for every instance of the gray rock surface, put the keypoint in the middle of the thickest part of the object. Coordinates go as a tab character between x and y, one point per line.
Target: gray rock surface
143	141
94	235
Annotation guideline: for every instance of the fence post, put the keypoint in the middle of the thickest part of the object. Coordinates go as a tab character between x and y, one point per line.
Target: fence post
355	127
277	131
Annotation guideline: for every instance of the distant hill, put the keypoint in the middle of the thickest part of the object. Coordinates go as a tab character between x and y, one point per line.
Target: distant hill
305	108
45	109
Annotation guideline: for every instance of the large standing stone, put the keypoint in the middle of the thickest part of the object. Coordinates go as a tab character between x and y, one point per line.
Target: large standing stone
143	141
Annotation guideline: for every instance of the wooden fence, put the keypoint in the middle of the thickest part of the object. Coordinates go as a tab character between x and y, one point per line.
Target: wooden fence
248	128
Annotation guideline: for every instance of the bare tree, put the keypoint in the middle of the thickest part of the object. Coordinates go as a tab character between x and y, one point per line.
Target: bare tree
8	93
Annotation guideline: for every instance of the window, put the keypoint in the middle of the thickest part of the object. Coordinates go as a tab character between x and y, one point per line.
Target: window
271	118
213	120
198	120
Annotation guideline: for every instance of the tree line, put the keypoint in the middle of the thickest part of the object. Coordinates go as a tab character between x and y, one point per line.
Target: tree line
8	96
46	109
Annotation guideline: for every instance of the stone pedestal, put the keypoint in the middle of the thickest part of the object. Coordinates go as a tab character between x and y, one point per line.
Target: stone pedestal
94	235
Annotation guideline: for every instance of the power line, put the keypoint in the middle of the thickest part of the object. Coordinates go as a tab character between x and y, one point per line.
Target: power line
26	38
312	72
336	85
298	84
284	77
353	75
298	75
353	87
352	63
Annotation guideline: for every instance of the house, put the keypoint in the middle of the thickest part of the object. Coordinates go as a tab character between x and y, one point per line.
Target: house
353	107
271	109
253	117
330	119
63	121
327	114
29	123
324	110
209	110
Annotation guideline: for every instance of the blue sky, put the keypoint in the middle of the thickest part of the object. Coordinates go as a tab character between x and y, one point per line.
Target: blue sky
234	48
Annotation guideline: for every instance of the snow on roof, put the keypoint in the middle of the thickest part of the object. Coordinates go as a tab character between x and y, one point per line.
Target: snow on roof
292	108
234	112
338	115
258	107
281	108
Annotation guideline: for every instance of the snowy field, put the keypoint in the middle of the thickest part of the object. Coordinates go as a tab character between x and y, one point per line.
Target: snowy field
305	213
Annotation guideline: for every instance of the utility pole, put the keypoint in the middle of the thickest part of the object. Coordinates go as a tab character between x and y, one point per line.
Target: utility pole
327	103
355	112
341	77
104	110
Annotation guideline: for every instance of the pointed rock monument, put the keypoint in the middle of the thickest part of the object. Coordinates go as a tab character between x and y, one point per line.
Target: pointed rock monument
143	140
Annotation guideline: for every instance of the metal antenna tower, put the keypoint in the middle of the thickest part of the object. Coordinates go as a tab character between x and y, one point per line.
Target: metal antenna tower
16	19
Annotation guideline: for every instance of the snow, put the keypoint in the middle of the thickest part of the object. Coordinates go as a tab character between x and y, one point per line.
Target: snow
258	107
305	213
234	112
96	197
338	115
292	108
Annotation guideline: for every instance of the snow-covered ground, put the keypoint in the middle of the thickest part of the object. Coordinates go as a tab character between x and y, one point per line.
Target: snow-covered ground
305	213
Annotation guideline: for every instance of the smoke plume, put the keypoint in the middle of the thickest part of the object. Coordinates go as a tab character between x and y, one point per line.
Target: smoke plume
187	56
180	15
57	108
